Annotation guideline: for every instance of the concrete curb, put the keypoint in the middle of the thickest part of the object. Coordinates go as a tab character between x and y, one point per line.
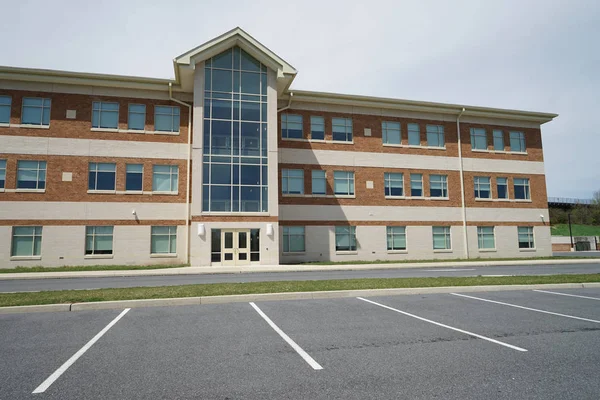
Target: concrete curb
284	268
243	298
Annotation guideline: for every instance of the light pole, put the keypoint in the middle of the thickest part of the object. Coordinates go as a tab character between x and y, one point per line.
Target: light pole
570	231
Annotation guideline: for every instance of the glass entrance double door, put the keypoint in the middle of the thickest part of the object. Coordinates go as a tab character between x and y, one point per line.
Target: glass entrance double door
235	247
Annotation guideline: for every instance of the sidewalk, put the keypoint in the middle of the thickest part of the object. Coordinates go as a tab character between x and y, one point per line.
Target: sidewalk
284	268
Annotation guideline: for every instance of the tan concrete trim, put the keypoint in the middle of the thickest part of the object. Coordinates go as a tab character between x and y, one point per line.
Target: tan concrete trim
405	223
89	222
234	218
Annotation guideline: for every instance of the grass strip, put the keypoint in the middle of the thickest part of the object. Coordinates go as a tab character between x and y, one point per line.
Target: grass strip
89	268
578	230
217	289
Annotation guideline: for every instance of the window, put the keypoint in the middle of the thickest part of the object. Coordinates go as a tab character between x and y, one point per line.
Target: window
498	140
137	117
482	187
526	237
485	237
343	183
134	177
416	185
98	240
2	173
293	239
317	128
319	182
163	240
5	103
166	119
396	238
522	189
342	129
502	184
36	111
414	135
31	175
102	176
345	238
441	238
215	245
105	115
478	139
165	178
517	142
292	181
394	184
291	126
438	186
435	136
26	241
391	132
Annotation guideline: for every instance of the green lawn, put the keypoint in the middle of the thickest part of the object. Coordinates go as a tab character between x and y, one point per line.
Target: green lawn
89	268
217	289
578	230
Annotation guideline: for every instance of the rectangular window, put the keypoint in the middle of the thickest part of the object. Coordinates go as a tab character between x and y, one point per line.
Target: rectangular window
26	241
522	189
391	132
98	240
31	175
441	238
319	182
163	240
137	117
396	238
105	115
394	184
293	239
134	177
2	173
478	139
291	126
482	187
517	142
502	184
435	136
498	140
166	118
5	103
36	111
345	238
485	237
342	129
102	176
165	178
526	237
292	181
416	185
343	183
438	186
215	245
317	128
414	135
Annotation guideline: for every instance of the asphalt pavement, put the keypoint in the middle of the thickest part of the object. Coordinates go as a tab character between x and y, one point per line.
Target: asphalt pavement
493	345
26	285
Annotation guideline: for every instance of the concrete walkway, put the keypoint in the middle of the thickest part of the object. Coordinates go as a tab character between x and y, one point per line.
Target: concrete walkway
283	268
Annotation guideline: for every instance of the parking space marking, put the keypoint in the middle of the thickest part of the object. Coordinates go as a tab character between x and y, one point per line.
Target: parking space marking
527	308
568	294
315	365
52	378
445	326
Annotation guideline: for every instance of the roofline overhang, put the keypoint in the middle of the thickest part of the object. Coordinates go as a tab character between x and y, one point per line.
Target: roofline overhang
420	106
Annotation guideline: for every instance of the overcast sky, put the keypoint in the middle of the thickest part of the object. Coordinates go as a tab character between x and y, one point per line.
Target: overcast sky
531	55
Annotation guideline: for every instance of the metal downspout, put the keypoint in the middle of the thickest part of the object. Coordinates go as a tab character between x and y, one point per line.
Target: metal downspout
289	103
462	186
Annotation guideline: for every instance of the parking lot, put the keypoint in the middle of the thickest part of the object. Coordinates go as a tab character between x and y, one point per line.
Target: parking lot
497	345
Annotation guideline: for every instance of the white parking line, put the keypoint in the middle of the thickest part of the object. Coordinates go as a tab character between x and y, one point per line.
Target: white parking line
446	326
449	270
527	308
289	341
46	384
570	295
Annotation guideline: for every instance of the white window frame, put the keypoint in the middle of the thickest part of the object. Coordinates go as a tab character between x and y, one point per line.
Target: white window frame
498	186
527	188
346	123
173	175
446	233
478	186
498	135
530	238
41	167
172	232
96	170
520	138
389	178
436	131
317	122
478	133
36	234
97	108
351	236
390	233
174	127
285	124
42	108
93	234
289	233
441	180
412	132
130	111
3	174
482	234
390	127
412	186
318	178
127	173
349	178
6	105
286	178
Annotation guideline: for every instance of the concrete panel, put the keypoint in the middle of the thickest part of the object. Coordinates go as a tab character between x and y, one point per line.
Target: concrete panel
367	213
507	243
